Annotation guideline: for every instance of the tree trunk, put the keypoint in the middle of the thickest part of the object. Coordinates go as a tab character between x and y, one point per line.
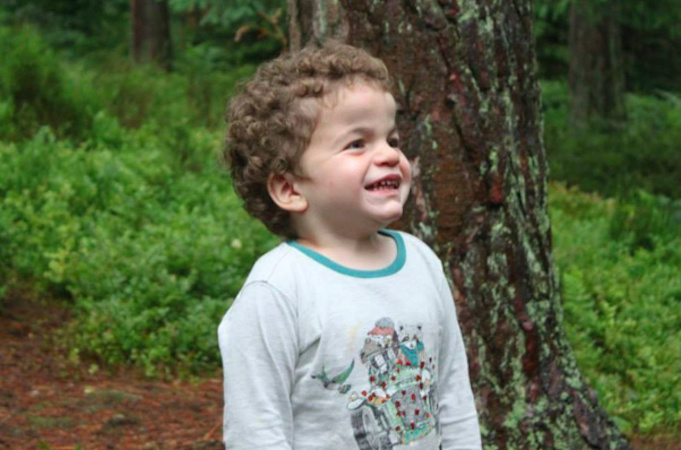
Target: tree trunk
150	20
470	121
596	76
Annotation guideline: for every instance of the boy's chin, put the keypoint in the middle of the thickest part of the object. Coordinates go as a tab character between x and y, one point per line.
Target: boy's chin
391	217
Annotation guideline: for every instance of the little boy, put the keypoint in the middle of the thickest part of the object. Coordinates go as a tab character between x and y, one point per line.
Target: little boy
345	336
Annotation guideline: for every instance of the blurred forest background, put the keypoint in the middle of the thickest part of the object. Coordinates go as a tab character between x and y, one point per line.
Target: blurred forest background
112	200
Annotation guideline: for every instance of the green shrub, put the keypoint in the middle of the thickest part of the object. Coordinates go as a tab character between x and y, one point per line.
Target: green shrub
131	218
621	303
208	81
195	94
35	90
38	89
643	154
644	220
78	26
151	253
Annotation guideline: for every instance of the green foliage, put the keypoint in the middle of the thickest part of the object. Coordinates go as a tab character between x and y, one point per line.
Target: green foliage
36	91
642	154
149	244
621	277
130	217
551	33
207	80
228	33
224	48
646	221
230	14
194	95
77	25
650	16
650	36
237	32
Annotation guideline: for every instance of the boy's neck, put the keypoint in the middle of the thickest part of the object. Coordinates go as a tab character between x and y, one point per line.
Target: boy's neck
373	252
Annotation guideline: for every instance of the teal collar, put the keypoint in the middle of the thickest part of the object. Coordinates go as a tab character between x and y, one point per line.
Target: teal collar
394	267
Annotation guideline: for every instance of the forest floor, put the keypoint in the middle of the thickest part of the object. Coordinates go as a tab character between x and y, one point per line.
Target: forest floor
49	403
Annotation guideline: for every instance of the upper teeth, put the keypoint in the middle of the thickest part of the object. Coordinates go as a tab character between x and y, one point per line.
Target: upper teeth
386	183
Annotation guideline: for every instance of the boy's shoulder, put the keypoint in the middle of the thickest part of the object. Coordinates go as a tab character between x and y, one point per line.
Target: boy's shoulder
273	266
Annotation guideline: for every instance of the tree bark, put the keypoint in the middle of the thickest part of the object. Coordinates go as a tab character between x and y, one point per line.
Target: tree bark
596	73
150	23
470	121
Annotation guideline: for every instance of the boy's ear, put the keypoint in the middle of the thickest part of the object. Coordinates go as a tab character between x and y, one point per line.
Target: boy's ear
282	190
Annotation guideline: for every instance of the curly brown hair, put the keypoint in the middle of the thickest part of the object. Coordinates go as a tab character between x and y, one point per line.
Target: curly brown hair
272	119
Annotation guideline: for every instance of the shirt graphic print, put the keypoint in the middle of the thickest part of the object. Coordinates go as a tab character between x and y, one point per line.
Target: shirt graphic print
398	403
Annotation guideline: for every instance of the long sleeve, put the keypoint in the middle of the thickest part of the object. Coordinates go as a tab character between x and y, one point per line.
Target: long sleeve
458	416
259	347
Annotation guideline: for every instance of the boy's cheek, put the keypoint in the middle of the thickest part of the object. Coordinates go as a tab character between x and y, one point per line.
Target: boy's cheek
406	188
409	171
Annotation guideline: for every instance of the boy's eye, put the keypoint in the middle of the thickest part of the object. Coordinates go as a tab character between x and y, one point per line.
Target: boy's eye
394	142
359	143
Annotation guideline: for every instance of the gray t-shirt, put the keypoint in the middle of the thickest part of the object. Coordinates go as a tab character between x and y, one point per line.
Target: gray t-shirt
320	356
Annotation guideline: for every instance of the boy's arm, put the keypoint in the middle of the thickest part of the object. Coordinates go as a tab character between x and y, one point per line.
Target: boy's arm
258	343
458	417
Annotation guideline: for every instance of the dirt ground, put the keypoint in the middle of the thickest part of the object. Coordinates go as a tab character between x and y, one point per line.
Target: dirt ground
48	403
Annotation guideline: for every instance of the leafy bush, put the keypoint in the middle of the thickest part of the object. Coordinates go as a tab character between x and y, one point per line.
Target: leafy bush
646	221
643	154
38	90
77	25
239	32
208	80
131	217
35	90
622	298
149	251
194	95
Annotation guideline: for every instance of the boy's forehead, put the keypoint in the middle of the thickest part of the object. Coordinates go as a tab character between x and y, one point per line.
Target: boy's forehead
338	91
323	108
372	113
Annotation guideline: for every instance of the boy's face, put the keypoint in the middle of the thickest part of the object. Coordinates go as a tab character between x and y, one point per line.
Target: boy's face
355	178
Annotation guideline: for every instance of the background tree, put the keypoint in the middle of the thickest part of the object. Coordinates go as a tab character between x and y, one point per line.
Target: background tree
608	48
466	77
596	75
150	39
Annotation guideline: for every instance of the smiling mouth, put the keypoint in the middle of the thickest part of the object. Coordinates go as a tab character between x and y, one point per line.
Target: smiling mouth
384	185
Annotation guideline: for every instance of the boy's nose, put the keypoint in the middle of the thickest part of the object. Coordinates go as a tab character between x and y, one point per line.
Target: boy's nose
388	155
